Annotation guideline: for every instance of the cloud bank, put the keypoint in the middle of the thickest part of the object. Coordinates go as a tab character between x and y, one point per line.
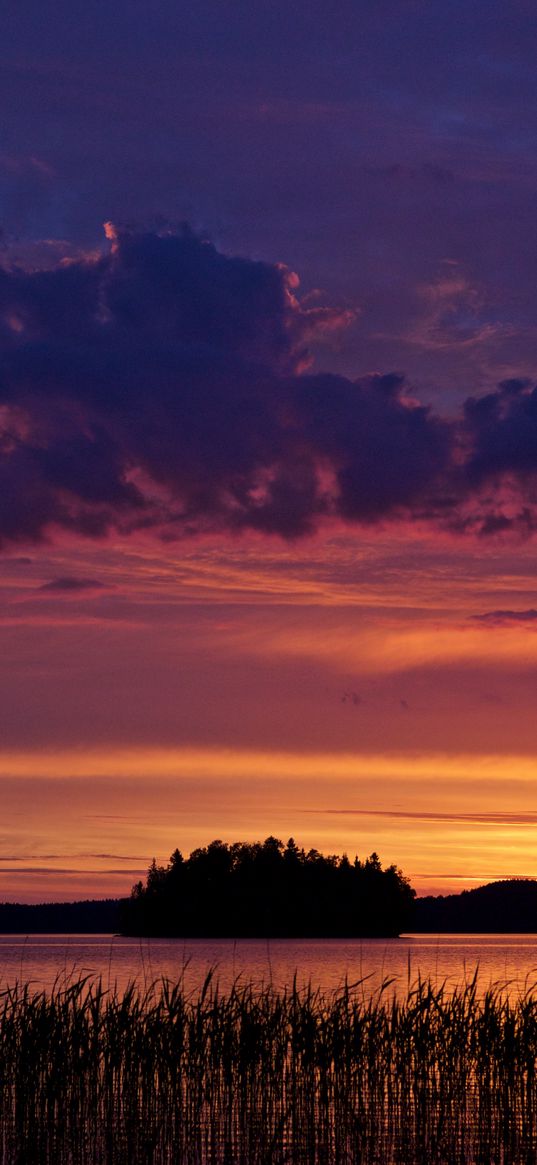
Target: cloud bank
165	385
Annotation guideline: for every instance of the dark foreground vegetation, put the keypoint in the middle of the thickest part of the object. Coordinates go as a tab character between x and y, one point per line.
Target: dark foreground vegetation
268	889
253	1077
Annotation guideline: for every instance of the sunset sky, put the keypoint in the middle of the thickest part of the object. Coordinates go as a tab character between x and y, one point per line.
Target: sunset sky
268	436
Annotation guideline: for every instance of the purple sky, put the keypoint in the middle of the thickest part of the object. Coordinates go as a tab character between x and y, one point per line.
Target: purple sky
244	593
386	151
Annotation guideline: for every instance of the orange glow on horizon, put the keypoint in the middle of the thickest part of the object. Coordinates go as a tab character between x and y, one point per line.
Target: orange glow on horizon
447	821
338	692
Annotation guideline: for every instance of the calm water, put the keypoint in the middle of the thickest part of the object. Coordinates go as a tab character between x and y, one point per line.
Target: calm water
509	959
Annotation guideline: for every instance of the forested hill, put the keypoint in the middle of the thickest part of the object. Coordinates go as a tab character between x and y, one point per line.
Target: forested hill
90	917
508	907
268	889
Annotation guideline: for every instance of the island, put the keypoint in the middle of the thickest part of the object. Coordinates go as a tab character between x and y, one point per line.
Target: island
268	889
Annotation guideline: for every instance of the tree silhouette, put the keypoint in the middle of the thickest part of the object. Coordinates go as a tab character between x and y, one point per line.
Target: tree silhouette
268	889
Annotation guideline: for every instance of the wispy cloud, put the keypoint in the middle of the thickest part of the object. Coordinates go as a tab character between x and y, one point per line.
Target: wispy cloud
69	583
505	618
53	871
474	818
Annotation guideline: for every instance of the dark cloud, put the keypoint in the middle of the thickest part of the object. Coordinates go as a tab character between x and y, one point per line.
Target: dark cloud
502	430
503	618
71	583
164	385
414	125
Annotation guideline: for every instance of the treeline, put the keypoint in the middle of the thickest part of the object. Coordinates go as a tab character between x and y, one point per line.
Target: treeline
155	908
90	917
508	907
268	889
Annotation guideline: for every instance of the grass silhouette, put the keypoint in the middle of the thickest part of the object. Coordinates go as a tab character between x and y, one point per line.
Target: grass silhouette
256	1076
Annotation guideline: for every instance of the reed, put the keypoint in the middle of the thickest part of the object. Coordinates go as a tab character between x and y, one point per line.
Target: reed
261	1077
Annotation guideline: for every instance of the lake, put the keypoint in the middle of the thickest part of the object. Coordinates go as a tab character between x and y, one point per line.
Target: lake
41	959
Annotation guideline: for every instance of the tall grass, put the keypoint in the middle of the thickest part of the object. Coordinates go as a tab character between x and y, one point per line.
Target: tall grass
259	1077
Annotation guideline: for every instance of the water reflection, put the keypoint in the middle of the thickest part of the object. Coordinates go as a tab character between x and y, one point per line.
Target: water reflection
508	959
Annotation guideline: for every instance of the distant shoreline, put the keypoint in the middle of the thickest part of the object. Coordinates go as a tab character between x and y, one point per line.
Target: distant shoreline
508	907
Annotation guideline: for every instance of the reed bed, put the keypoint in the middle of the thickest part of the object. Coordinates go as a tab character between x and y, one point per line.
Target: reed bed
255	1076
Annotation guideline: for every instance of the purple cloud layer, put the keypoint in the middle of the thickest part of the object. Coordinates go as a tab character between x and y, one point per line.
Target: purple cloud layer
164	385
374	147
